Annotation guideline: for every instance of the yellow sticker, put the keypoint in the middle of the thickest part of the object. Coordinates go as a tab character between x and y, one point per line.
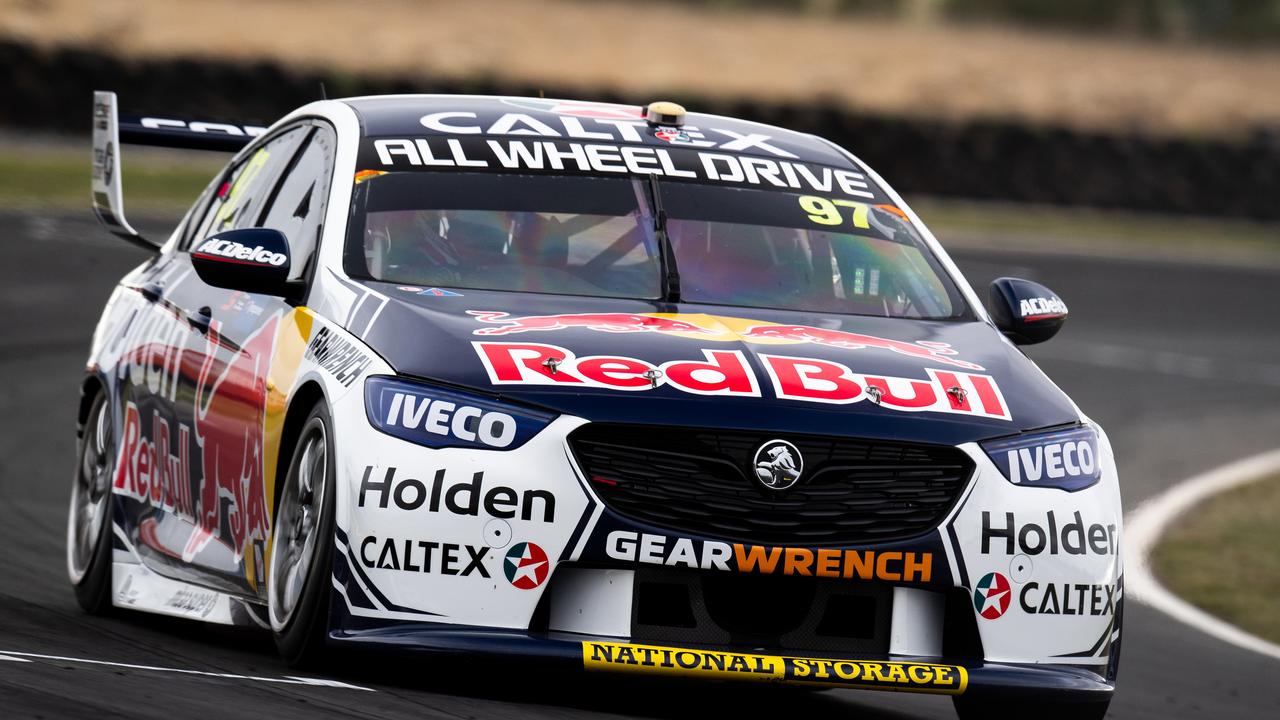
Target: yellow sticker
827	212
237	191
368	175
689	662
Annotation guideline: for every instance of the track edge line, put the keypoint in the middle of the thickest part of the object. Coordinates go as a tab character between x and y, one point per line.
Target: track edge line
1144	526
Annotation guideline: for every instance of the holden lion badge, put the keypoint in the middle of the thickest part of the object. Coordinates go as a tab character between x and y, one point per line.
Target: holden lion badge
778	464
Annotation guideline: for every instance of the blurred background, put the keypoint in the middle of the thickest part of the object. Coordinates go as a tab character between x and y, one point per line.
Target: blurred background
1124	152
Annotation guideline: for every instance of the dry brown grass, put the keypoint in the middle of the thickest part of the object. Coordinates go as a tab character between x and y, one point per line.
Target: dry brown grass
641	48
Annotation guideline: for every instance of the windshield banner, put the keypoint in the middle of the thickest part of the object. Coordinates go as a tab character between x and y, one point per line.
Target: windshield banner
531	155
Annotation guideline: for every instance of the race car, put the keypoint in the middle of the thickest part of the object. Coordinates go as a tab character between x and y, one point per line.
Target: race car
630	388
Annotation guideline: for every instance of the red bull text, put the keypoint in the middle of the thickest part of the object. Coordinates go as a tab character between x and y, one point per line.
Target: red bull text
727	372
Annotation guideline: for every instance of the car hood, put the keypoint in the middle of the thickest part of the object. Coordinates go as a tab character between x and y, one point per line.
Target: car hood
940	381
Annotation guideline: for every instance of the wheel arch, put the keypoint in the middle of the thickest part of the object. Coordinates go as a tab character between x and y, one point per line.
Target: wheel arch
90	386
304	398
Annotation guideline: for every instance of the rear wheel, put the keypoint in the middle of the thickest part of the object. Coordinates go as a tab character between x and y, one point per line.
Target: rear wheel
968	708
89	516
302	546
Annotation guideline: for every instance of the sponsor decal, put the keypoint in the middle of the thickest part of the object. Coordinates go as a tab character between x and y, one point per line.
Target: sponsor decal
232	251
909	676
441	418
228	502
726	372
720	372
423	556
604	128
429	292
577	108
193	602
1067	599
336	355
197	126
991	595
364	175
460	498
526	565
1073	537
716	328
651	549
1039	308
778	464
1067	460
619	150
504	324
676	135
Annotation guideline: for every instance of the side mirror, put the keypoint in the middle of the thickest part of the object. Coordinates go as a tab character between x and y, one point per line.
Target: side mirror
1026	312
253	260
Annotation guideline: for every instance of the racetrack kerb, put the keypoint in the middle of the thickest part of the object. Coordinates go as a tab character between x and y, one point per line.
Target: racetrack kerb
1224	557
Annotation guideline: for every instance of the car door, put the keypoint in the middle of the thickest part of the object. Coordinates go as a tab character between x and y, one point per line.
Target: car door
229	351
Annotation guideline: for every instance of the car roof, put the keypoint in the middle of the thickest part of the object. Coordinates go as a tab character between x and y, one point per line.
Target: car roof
573	120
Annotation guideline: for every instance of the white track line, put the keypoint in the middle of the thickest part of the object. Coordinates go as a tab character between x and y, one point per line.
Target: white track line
1144	526
287	680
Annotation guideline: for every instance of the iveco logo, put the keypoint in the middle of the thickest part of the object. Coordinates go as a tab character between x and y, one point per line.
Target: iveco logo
778	464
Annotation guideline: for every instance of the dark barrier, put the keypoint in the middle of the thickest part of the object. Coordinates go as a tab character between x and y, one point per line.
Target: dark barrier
50	90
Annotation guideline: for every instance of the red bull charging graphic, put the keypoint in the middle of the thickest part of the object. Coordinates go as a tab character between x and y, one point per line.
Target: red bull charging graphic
228	503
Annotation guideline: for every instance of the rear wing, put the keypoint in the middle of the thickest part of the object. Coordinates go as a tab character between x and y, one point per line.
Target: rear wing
110	129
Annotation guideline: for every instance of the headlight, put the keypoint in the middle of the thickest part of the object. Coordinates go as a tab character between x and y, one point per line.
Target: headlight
1063	459
439	418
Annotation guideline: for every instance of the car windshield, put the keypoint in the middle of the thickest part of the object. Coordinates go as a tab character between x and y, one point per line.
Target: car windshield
596	236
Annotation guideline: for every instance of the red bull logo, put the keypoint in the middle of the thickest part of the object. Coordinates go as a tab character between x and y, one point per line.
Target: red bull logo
765	333
600	322
228	503
229	423
724	372
923	350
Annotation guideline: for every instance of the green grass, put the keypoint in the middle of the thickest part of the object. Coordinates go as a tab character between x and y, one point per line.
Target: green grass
1021	225
57	177
1224	557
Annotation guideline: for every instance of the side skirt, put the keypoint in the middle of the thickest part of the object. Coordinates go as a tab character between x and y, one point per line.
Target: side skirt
134	586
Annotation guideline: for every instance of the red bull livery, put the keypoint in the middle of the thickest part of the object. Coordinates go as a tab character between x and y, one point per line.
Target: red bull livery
568	381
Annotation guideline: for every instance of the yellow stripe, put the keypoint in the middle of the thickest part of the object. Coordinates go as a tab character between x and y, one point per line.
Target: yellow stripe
291	342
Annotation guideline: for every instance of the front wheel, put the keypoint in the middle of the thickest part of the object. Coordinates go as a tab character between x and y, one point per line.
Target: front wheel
89	516
302	545
968	708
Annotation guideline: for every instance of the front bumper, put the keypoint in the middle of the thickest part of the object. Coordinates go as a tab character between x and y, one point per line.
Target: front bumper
602	654
423	564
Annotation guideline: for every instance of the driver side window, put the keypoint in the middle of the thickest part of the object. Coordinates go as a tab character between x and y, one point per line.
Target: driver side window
297	208
238	202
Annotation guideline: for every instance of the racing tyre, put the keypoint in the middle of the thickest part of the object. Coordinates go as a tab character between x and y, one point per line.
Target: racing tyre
89	516
302	546
968	708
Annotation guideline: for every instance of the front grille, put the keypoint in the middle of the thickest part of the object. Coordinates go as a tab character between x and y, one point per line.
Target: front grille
702	482
795	614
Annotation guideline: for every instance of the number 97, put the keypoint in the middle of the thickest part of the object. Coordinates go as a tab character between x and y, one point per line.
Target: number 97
827	212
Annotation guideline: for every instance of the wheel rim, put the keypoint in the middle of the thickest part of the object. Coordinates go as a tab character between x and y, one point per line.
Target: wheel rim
90	494
294	537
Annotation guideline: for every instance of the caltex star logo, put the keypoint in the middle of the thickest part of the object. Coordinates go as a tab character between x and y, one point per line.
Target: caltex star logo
526	565
672	135
991	596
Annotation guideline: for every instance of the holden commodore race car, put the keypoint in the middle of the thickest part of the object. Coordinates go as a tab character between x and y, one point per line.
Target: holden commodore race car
633	389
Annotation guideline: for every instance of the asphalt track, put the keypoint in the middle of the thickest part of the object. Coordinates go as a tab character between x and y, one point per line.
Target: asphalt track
1180	363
